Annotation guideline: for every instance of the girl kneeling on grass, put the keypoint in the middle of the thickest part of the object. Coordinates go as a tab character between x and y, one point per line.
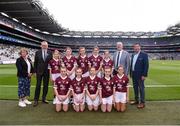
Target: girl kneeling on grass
24	73
106	91
78	91
121	90
62	91
92	93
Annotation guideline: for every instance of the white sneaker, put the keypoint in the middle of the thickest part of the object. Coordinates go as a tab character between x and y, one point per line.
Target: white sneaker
27	102
54	101
22	104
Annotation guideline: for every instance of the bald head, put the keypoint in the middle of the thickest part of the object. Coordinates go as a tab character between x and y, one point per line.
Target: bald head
119	46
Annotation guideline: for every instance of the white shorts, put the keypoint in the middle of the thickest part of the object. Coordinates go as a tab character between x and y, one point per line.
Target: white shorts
72	76
89	101
77	99
107	100
120	97
99	74
85	74
57	101
55	76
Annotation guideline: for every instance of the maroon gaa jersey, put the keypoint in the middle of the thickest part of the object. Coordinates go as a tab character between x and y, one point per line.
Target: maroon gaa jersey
78	86
95	61
54	65
62	85
107	87
69	63
83	63
121	84
92	84
108	63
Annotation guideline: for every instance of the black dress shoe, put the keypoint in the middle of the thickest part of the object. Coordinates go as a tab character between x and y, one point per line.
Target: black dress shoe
133	102
35	103
45	101
141	106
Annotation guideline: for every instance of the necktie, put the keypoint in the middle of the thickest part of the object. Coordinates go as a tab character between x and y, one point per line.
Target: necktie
44	56
117	60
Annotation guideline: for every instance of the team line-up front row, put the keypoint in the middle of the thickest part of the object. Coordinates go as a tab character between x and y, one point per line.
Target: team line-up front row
88	80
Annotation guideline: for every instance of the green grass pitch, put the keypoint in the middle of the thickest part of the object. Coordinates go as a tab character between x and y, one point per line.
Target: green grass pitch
162	95
163	82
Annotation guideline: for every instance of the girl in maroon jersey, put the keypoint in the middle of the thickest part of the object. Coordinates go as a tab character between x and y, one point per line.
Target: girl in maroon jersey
92	93
106	91
62	90
69	61
54	68
82	61
95	60
78	91
121	90
107	61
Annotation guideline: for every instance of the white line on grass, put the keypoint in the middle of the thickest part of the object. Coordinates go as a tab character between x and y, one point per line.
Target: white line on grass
148	86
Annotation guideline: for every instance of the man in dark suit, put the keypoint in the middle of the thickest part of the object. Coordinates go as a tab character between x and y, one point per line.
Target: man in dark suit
42	57
138	72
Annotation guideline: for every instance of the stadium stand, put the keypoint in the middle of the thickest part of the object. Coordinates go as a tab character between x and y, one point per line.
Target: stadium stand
9	53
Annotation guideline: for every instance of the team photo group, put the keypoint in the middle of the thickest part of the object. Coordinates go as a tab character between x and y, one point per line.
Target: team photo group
98	81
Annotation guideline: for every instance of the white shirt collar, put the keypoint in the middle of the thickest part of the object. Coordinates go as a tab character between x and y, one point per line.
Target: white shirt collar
120	51
92	78
63	77
55	59
69	57
95	56
107	78
137	53
120	76
107	60
78	79
83	56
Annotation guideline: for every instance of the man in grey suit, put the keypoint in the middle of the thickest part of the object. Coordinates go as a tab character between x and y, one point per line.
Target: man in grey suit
121	57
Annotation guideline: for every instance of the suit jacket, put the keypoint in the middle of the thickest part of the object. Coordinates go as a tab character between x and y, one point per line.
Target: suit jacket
22	67
141	66
41	66
124	60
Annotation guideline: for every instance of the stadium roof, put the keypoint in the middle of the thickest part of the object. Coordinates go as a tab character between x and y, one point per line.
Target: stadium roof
31	13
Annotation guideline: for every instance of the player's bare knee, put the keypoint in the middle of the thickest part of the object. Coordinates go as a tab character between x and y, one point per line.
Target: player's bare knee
123	110
90	108
65	109
95	108
58	110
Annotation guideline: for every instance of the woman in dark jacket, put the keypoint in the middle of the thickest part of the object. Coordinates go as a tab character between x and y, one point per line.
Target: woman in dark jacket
24	73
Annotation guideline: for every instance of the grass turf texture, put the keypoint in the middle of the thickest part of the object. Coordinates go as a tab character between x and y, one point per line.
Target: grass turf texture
164	113
160	73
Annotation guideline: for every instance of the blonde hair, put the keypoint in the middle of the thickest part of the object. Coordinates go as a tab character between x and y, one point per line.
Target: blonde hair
68	48
56	52
23	49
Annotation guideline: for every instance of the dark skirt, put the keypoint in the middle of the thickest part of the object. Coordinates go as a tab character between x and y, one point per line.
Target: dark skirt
23	87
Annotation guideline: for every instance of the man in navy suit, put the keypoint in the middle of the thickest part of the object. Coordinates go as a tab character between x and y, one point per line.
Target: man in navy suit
138	72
